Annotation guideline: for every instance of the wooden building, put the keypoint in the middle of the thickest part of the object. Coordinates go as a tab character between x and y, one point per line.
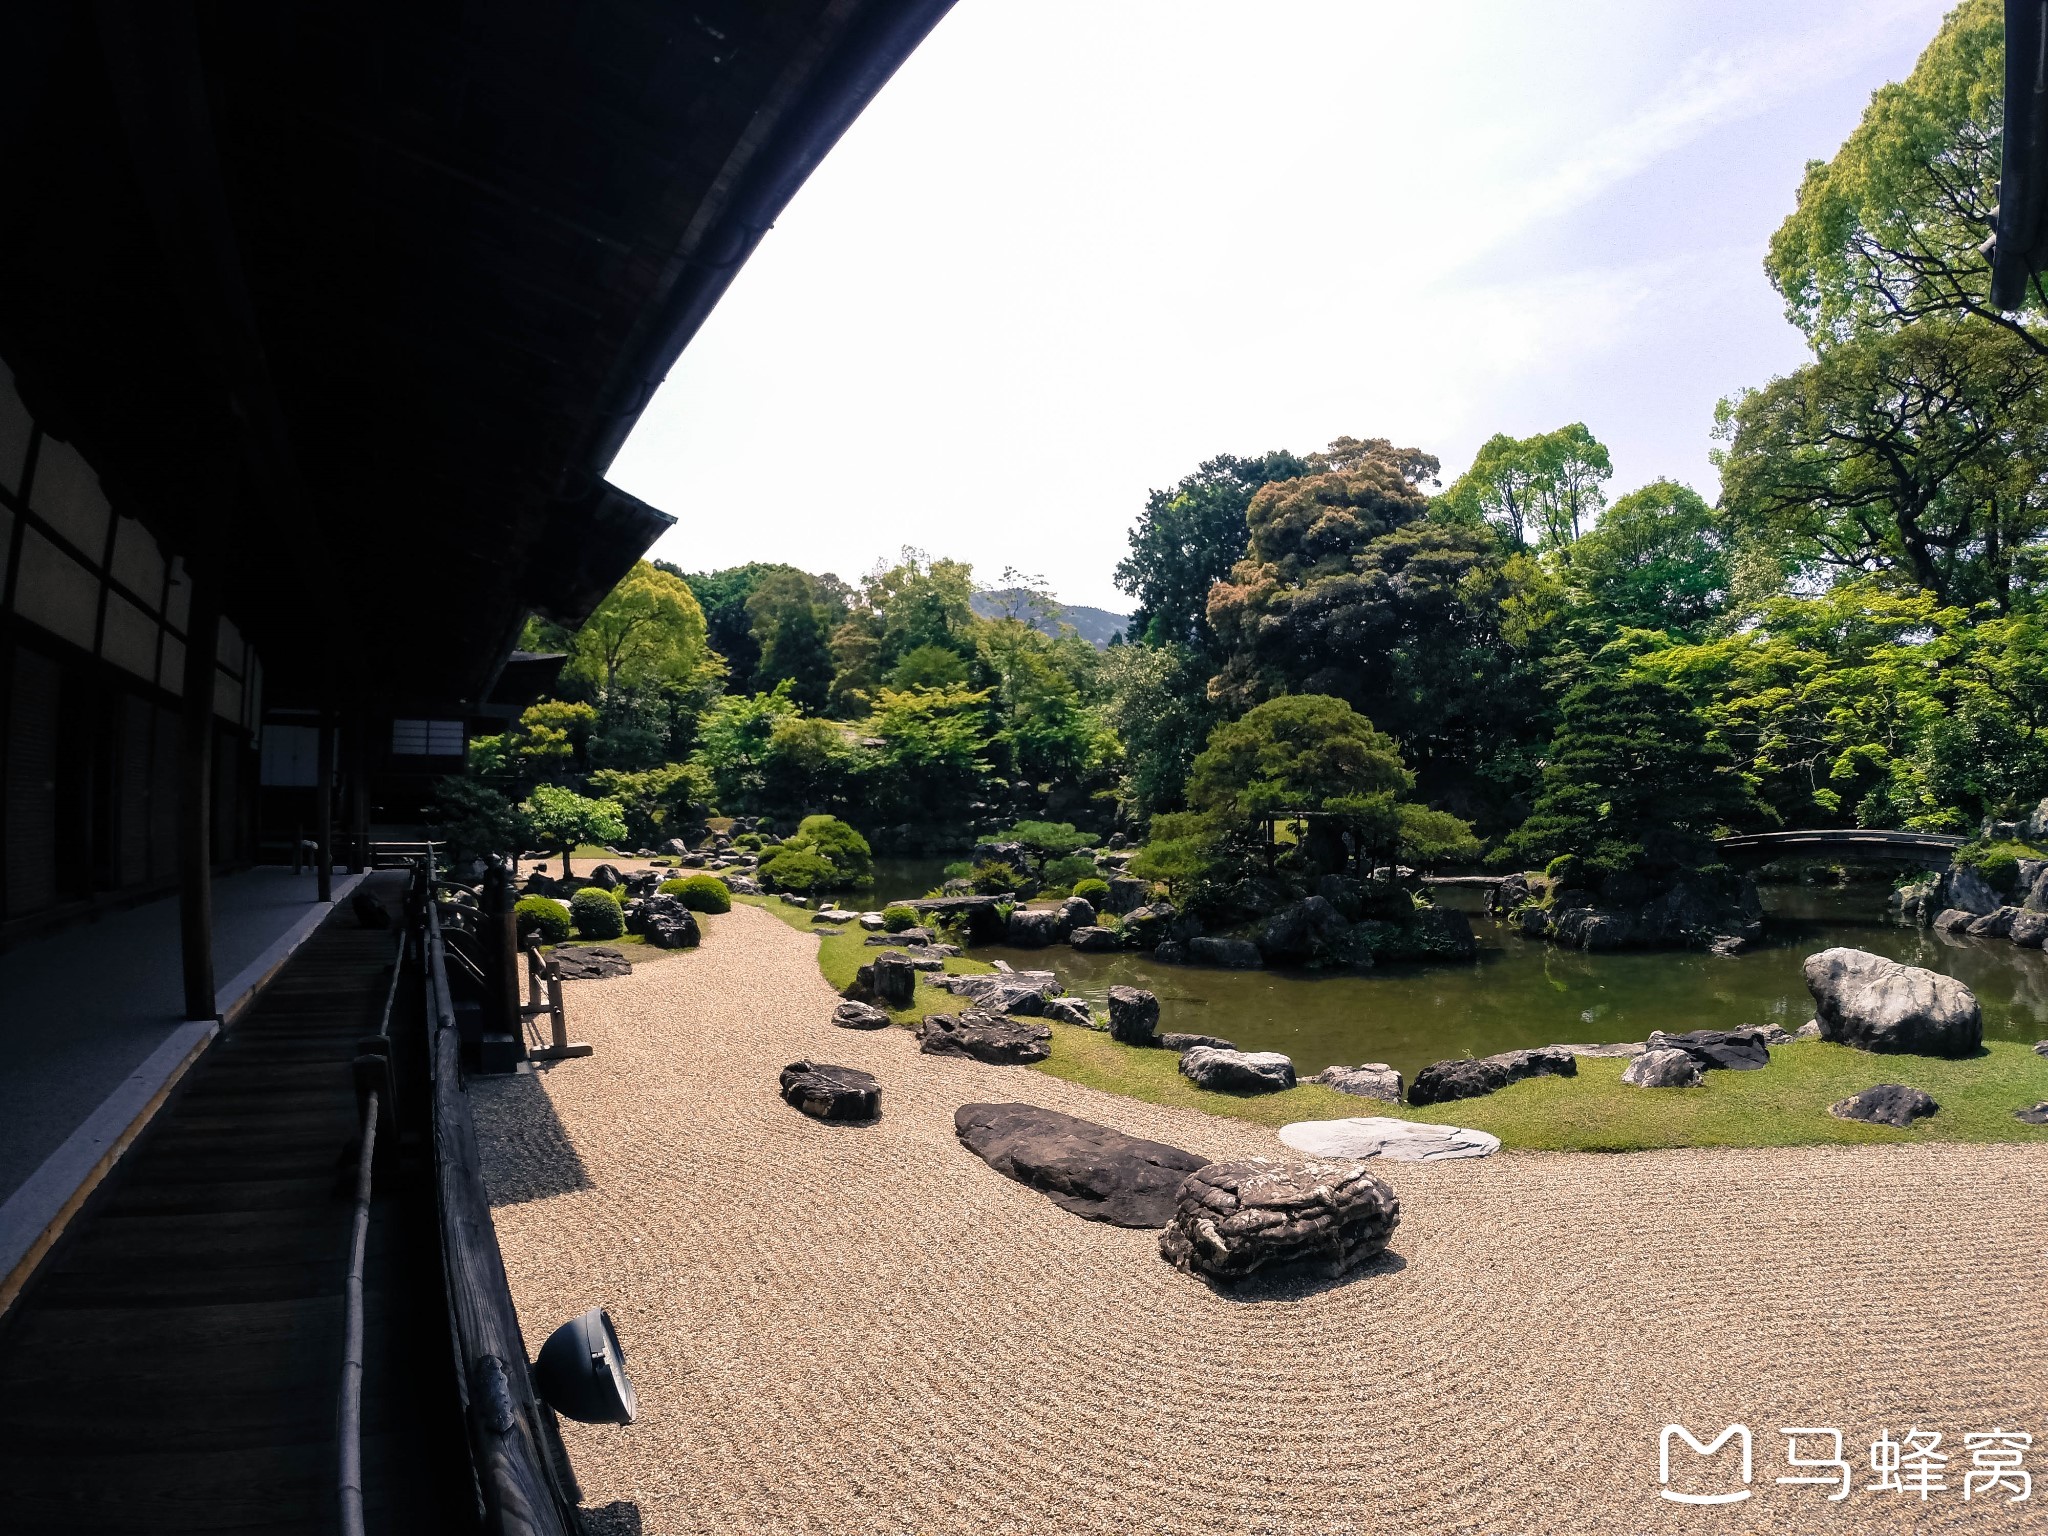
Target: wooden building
320	325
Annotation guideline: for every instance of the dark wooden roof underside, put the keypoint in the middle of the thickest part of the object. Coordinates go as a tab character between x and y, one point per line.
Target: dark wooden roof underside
404	274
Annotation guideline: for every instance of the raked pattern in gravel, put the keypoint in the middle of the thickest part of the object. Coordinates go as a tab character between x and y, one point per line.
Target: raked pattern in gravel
865	1329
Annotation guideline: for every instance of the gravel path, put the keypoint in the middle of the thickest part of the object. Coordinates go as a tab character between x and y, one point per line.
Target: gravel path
867	1330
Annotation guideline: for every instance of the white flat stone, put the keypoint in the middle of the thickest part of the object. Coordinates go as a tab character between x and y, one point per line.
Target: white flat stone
1398	1141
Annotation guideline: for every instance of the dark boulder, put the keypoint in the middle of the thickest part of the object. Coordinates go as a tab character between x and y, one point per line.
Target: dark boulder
1083	1167
1227	1071
1232	1219
1737	1050
1232	954
608	876
1146	926
1094	940
1443	1081
666	923
831	1093
988	1037
1995	924
1076	912
1892	1104
853	1015
1170	952
1030	929
1304	932
1877	1004
1133	1016
1174	1040
1127	893
895	979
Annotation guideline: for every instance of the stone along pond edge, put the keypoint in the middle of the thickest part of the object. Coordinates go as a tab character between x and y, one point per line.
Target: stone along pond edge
1785	1104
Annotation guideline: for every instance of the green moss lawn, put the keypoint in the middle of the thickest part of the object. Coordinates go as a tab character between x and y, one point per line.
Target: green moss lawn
1783	1105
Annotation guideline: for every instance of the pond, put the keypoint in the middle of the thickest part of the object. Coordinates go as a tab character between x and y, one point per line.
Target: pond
1519	992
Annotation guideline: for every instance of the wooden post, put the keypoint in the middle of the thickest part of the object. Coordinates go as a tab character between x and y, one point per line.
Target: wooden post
195	798
498	931
323	808
358	789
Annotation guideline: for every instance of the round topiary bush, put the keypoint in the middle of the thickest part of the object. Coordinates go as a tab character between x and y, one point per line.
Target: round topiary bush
700	893
596	913
541	917
1094	892
896	917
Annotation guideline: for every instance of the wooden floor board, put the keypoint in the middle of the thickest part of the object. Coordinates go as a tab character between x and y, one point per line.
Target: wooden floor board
174	1365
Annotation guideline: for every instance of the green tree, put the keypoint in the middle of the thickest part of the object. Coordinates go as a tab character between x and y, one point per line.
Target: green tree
931	760
1920	453
1660	558
648	630
929	666
723	597
809	765
563	819
1633	780
658	803
1187	539
733	744
478	821
1157	704
792	624
1546	487
1887	232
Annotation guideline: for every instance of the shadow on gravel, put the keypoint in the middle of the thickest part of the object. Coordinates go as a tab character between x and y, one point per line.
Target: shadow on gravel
1298	1282
530	1155
621	1517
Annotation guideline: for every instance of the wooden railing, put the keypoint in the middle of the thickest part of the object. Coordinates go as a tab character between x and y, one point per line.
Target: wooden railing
510	1436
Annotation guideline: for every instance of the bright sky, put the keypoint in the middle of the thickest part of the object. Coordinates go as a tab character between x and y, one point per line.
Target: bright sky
1077	246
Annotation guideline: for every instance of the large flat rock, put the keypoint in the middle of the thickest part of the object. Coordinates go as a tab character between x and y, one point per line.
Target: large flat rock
1089	1169
1383	1136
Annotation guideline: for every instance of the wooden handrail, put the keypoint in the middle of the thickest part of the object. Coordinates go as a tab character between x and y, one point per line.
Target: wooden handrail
508	1442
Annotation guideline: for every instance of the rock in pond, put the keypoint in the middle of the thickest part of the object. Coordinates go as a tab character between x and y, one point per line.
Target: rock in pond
589	962
988	1037
1877	1004
1231	954
1225	1071
1174	1040
895	978
853	1015
1891	1104
1735	1050
1127	894
1232	1219
1133	1016
831	1093
1398	1141
2029	929
1076	912
1663	1067
1032	930
1095	940
1373	1080
1085	1168
1442	1081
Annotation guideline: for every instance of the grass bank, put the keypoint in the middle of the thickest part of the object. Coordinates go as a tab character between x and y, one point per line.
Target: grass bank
1783	1105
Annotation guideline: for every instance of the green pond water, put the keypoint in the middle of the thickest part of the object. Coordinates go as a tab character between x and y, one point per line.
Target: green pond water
1518	992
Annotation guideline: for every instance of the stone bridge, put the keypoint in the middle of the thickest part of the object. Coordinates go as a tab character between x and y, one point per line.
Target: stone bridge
1844	844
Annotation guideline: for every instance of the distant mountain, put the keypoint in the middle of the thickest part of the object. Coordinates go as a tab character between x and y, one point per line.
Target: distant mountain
1095	625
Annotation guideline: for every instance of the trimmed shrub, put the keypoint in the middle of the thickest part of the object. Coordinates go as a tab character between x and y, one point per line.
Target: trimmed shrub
700	893
1064	872
1092	891
896	917
791	868
542	917
1566	872
596	913
994	879
847	850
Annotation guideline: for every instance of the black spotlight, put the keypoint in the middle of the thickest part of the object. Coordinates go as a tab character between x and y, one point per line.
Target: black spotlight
581	1372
